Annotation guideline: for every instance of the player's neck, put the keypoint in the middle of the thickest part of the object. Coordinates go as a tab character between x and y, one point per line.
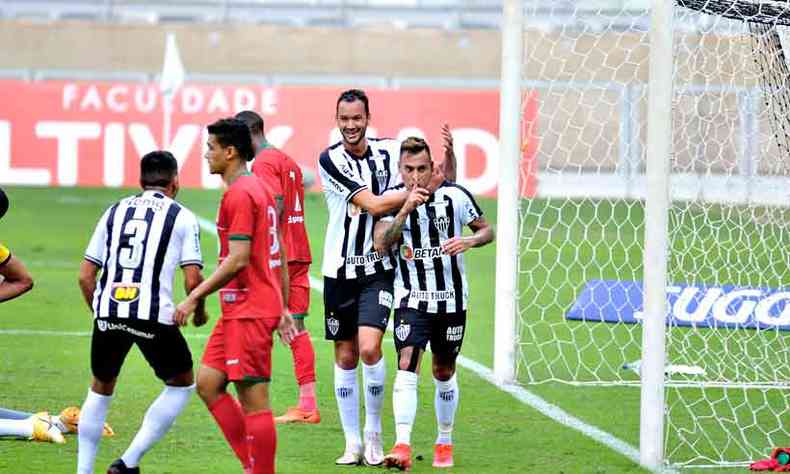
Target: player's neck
233	172
262	144
161	189
356	150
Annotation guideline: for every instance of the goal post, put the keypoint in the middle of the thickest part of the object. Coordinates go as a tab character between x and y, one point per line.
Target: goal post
508	191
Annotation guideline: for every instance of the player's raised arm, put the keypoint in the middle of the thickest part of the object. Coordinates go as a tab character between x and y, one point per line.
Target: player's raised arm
16	279
448	166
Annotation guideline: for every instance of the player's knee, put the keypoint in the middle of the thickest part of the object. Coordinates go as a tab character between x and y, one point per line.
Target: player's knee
444	369
184	379
408	359
103	387
370	354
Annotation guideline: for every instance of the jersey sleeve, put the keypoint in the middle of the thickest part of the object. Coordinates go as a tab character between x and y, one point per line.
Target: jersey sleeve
339	178
241	212
5	255
97	247
190	240
468	210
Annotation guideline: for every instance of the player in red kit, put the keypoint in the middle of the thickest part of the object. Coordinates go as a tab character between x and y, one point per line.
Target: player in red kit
252	291
284	178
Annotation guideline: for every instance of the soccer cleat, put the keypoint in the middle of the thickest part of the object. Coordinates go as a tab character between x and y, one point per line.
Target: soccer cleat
351	457
298	415
44	429
69	419
374	451
399	457
119	467
443	455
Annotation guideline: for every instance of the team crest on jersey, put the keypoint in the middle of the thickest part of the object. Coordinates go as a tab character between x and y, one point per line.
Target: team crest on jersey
406	252
442	223
381	177
333	325
402	331
125	292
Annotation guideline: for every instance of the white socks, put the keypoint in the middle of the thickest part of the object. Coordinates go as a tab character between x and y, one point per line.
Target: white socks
157	421
347	396
92	416
404	405
373	380
446	403
20	428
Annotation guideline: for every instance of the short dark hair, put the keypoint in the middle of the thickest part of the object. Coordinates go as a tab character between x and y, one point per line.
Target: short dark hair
233	132
414	145
158	168
3	203
352	95
252	119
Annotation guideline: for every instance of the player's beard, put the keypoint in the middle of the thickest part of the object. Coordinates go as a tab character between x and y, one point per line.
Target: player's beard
360	134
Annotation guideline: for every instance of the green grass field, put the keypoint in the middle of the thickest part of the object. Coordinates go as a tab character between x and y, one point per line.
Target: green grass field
49	229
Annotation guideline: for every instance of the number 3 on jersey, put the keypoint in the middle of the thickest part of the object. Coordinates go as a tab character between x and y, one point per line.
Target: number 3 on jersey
274	249
132	244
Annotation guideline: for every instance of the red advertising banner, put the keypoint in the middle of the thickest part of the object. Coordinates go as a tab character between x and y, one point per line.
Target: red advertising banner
82	133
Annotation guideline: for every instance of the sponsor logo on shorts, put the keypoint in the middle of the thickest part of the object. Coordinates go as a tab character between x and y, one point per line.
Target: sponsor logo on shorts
432	295
385	298
455	333
232	362
108	326
333	325
125	292
364	259
402	331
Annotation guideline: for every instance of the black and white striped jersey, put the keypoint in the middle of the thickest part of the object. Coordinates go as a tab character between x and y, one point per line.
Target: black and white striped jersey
139	242
348	245
427	279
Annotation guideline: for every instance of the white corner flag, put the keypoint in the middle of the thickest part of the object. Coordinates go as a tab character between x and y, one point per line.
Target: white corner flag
173	69
171	80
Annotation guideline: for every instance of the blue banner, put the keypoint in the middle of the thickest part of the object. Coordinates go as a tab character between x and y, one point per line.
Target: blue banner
725	306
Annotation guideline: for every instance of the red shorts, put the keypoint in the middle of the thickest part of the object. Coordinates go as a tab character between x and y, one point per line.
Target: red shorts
242	348
299	289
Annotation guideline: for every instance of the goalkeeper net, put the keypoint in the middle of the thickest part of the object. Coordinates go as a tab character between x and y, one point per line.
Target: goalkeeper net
582	238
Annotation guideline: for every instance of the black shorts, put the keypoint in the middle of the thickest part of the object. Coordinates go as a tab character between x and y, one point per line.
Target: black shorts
445	331
163	346
349	304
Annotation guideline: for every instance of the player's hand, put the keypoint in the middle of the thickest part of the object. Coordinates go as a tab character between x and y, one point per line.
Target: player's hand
183	310
287	328
416	197
456	245
200	318
447	142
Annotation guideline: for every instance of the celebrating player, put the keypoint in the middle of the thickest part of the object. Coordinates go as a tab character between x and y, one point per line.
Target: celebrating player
284	178
138	244
358	279
431	293
251	289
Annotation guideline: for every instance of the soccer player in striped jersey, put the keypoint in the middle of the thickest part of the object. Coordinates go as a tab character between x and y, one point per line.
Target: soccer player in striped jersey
357	279
252	289
138	243
431	293
284	178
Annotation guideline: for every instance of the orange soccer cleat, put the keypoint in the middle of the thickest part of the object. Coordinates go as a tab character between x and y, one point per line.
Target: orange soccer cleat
443	455
297	415
399	457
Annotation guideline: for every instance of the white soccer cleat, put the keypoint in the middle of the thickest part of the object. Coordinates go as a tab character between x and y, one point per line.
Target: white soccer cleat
374	450
351	457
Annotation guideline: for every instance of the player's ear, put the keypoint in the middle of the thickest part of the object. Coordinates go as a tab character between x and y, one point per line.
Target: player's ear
175	186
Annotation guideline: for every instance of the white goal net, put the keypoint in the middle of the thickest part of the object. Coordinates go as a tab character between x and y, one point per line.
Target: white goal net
582	217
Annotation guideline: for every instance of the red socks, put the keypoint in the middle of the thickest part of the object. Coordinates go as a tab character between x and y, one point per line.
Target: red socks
262	441
304	368
228	415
